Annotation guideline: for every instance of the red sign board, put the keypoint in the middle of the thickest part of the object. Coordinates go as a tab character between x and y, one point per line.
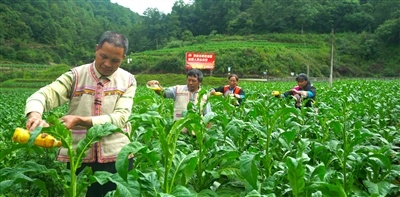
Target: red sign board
200	60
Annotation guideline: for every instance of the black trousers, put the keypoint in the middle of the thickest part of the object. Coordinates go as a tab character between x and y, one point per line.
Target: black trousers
97	190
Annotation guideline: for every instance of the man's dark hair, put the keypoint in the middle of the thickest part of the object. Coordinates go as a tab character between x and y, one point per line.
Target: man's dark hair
302	77
195	73
115	39
233	75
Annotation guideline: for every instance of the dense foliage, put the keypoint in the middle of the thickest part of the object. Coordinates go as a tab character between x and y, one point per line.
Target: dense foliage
46	31
346	146
36	76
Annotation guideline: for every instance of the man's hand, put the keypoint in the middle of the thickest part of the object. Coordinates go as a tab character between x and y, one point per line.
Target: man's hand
212	91
235	96
154	85
71	121
304	94
35	120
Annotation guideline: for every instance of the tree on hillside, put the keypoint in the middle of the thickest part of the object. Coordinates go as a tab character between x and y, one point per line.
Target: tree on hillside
389	32
185	16
384	10
155	27
242	24
259	16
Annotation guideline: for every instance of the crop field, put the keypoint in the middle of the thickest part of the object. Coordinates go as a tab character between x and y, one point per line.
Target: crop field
346	145
273	47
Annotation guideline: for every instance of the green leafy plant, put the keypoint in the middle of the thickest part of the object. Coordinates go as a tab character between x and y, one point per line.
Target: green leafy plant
58	130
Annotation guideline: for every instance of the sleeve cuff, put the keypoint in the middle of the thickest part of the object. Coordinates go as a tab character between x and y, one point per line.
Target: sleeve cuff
97	120
168	93
34	106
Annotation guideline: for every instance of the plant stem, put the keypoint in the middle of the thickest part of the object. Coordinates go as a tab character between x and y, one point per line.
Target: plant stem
73	175
345	147
267	154
200	161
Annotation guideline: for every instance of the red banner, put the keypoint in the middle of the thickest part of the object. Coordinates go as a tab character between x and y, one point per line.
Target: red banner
200	60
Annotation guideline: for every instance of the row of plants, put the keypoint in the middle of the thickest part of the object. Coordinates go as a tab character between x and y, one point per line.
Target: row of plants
30	73
25	65
346	145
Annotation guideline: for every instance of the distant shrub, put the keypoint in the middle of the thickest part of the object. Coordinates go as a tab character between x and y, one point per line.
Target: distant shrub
53	71
24	56
7	52
170	65
174	44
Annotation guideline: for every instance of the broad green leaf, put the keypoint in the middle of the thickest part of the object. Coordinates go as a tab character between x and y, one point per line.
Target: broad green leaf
17	174
288	136
149	183
59	131
207	193
14	147
230	172
184	166
329	189
209	117
296	173
229	190
249	169
224	157
101	177
17	177
33	136
382	160
42	186
181	191
317	194
319	171
129	188
123	158
284	111
189	165
382	188
253	193
333	145
234	126
5	185
336	126
164	195
83	181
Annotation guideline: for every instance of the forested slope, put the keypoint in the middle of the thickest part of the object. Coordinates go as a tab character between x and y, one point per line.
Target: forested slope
250	36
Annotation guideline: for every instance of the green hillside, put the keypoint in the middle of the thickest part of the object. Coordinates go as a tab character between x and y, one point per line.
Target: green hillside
248	56
279	54
251	37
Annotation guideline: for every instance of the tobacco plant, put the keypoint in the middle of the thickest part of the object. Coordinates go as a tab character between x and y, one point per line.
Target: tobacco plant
70	179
